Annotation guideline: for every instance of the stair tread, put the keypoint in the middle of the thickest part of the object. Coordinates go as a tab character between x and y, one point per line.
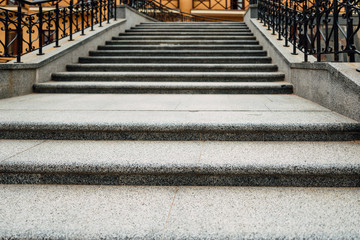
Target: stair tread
168	157
149	212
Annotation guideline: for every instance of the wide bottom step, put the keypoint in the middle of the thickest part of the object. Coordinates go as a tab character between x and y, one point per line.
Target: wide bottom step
132	212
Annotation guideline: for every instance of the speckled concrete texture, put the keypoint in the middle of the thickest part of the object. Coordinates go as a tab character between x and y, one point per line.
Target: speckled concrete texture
264	213
83	212
330	164
109	212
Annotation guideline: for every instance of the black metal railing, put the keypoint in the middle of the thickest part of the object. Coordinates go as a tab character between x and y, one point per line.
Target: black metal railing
163	13
326	29
24	33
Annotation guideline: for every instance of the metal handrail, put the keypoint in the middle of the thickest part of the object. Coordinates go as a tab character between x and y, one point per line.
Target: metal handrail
314	28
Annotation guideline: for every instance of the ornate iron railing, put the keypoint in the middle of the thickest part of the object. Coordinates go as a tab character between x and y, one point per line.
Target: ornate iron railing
163	13
219	4
24	33
319	28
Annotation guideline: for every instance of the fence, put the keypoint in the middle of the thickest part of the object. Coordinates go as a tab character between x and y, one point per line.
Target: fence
28	32
319	28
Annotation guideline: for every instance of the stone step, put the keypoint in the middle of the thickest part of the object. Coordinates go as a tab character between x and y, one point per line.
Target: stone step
183	42
172	59
175	29
146	67
172	117
194	163
223	37
182	33
164	87
193	23
191	27
178	53
170	212
179	47
169	76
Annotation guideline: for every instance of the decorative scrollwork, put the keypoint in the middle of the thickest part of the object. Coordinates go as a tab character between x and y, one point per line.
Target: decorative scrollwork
319	27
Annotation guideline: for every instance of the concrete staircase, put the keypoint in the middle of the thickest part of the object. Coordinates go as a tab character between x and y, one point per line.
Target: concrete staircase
223	148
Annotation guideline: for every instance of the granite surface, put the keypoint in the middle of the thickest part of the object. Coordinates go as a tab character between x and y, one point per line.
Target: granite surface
129	212
326	164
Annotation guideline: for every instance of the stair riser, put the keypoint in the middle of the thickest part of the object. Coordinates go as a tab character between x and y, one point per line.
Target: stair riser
173	60
223	31
183	42
200	47
40	89
185	179
86	133
140	37
180	68
184	33
169	53
166	79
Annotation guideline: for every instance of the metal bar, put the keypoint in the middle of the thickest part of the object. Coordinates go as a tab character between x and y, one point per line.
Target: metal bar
317	36
100	13
336	30
305	31
19	34
115	10
82	17
279	20
108	10
294	31
349	32
40	31
286	24
6	50
57	25
92	15
71	20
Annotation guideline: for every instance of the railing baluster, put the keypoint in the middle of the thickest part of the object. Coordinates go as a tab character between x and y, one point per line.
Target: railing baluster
336	30
71	20
349	31
294	31
100	13
92	15
57	25
279	20
82	17
286	24
305	40
19	33
40	30
318	35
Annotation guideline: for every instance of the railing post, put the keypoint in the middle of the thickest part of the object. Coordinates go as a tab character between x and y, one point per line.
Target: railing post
115	10
349	31
82	17
273	13
100	13
294	31
71	19
305	19
279	20
108	10
92	15
40	30
318	35
336	30
19	34
286	24
6	50
57	25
